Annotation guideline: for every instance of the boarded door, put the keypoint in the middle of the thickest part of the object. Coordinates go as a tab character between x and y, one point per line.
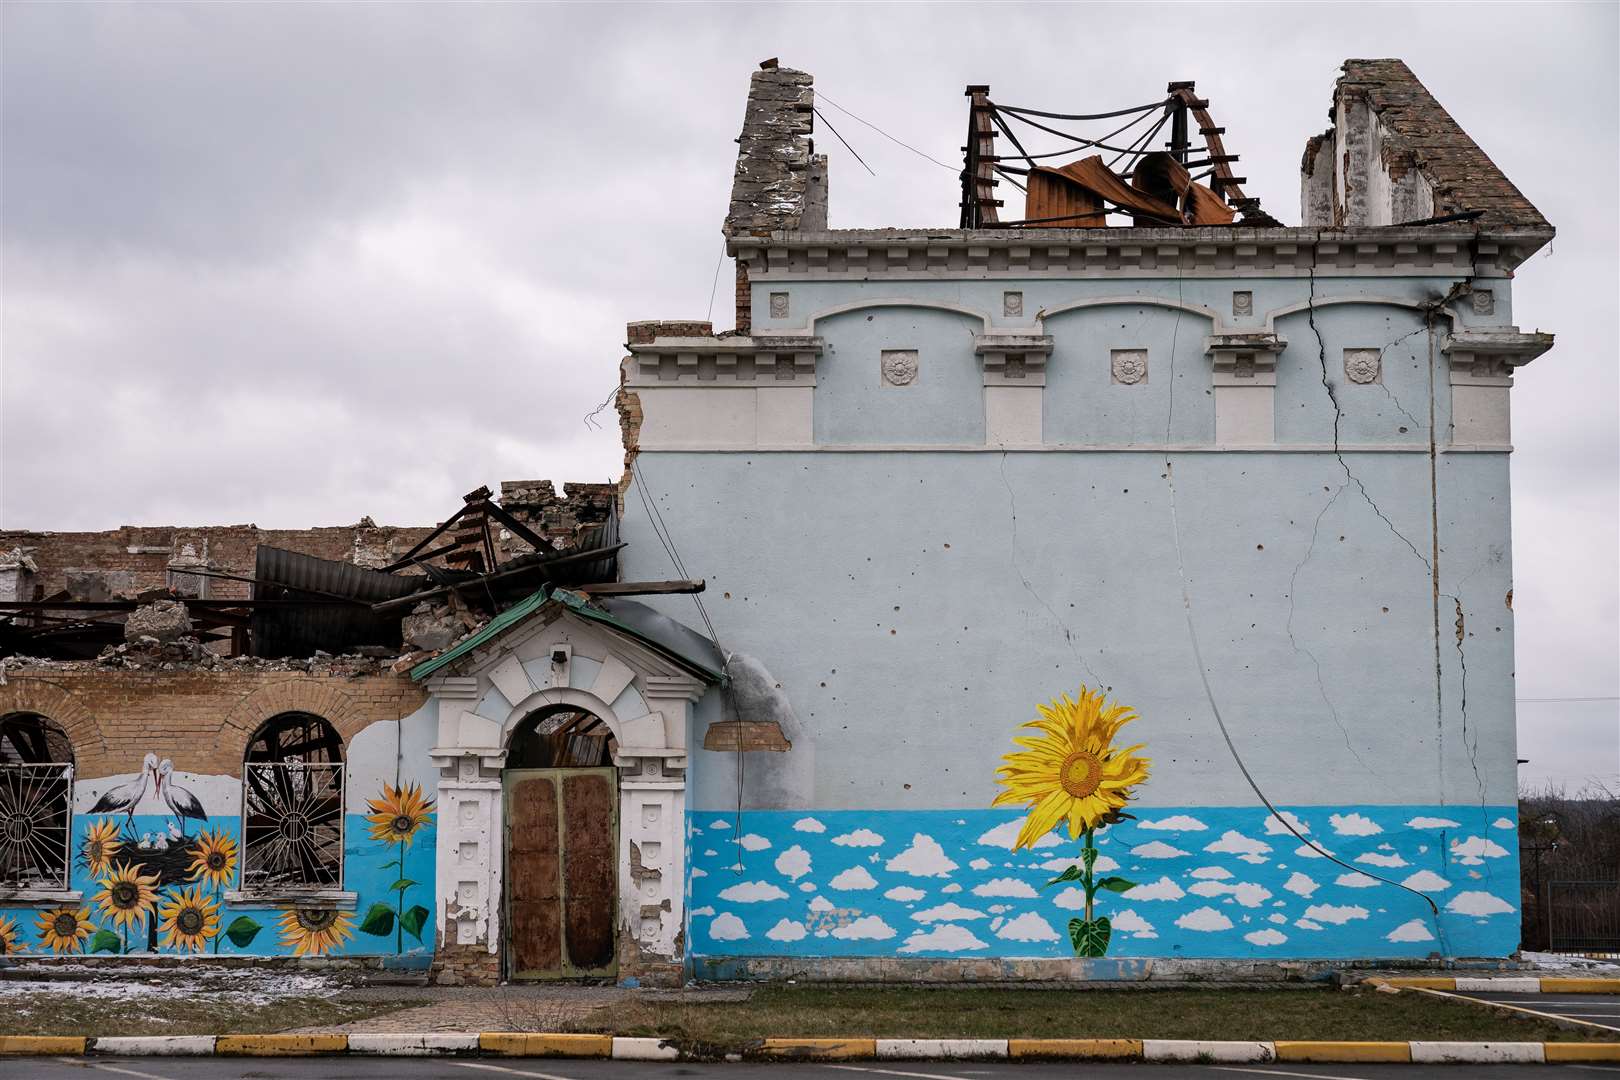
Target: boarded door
561	872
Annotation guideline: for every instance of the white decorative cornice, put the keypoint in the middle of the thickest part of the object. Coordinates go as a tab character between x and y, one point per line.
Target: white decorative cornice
1488	357
1239	355
1014	358
777	360
1202	252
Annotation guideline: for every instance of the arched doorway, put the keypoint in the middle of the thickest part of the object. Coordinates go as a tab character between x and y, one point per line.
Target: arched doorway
561	804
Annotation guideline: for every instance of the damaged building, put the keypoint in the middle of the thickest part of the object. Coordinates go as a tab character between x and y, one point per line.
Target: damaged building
741	715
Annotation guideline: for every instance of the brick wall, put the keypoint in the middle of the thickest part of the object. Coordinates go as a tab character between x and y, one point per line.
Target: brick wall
202	720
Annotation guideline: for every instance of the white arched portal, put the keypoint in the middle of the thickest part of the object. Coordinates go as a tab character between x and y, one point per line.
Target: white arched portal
644	698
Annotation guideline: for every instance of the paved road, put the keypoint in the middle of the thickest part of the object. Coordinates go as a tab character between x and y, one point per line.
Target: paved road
1593	1008
515	1069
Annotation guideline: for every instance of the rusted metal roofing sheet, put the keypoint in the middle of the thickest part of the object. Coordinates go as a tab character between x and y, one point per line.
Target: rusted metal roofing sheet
300	630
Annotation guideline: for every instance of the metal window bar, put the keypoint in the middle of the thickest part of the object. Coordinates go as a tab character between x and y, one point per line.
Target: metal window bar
292	825
36	825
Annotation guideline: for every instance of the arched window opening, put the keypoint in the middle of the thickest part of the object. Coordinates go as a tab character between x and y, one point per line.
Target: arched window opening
36	803
560	737
292	806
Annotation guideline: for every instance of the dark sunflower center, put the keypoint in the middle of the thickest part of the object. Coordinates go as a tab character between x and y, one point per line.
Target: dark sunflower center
215	860
402	823
189	921
65	924
316	920
124	894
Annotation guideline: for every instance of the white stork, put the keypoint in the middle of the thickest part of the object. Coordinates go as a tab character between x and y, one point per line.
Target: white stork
182	803
125	797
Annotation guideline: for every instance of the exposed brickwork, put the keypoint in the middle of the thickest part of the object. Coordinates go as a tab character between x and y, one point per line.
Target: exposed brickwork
1425	135
643	333
465	965
769	188
745	300
200	719
561	519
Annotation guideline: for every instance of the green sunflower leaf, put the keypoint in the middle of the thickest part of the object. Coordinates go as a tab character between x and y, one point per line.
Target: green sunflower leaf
1089	854
1090	939
402	883
1073	873
104	941
379	921
413	921
391	864
1116	884
242	931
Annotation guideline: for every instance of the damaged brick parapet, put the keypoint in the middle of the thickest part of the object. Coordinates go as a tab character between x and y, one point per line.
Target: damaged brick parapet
562	519
772	179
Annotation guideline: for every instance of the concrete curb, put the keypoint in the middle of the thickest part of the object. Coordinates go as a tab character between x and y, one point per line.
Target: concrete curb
537	1044
1506	985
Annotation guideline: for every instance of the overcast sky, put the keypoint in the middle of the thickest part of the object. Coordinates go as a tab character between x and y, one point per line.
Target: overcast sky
296	264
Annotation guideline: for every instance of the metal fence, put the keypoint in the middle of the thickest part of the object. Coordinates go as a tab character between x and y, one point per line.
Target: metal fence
292	825
1583	916
36	823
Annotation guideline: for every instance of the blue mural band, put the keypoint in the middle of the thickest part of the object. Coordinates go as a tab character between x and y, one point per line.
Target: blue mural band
1217	882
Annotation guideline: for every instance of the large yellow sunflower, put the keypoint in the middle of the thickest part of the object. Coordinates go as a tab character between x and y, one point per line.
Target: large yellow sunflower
8	937
126	896
1072	770
213	859
101	843
190	917
400	812
313	932
64	930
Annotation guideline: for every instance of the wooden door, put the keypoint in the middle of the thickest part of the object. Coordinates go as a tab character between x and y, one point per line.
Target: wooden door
561	872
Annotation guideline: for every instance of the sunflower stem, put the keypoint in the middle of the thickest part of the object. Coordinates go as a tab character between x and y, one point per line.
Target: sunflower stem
1088	856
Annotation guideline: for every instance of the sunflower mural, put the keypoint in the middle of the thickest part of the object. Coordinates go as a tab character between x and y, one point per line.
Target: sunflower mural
1072	771
396	817
127	897
190	919
314	931
65	929
101	843
8	937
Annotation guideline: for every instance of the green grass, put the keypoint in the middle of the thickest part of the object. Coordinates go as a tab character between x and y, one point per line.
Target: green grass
151	1014
1227	1013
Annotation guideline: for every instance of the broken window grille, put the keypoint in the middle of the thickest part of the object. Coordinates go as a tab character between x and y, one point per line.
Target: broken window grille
36	803
292	806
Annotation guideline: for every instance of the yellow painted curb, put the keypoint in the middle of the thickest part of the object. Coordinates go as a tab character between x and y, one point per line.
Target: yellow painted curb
41	1044
820	1049
529	1044
1419	983
1576	1051
1580	986
1343	1051
280	1045
1075	1048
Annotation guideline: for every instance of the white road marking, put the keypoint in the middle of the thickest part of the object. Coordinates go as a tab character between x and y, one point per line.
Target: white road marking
505	1069
896	1072
112	1068
1283	1072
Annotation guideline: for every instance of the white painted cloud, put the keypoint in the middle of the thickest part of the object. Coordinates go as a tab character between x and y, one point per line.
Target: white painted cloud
1233	842
809	824
1280	920
807	886
754	842
1354	825
1103	864
1373	858
1275	827
953	887
866	928
1219	873
1175	823
1265	937
1005	886
704	910
1427	881
1129	922
1416	930
696	872
945	937
1157	849
1479	903
1306	924
859	838
980	864
1433	823
1300	884
924	858
727	927
1070	899
1245	893
752	892
1355	881
786	930
853	879
820	903
905	894
1163	889
1504	823
1475	850
1337	915
793	863
1305	851
948	913
1005	836
1206	919
1027	927
719	824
